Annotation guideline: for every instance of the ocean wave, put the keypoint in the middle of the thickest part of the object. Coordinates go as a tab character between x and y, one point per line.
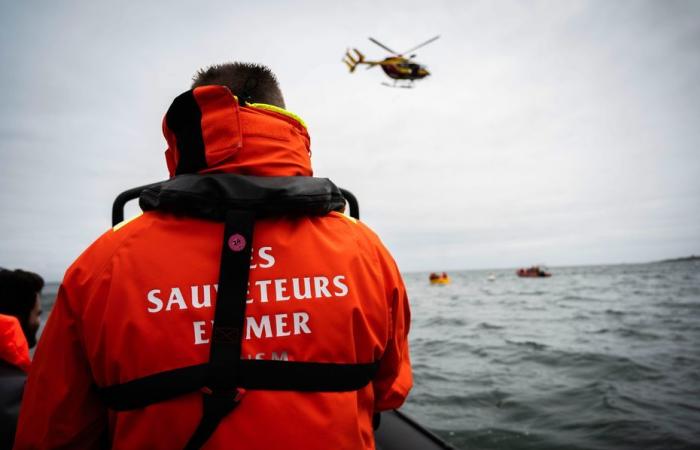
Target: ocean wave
680	305
534	308
633	333
629	333
443	321
431	348
578	364
489	326
529	344
578	298
428	374
480	352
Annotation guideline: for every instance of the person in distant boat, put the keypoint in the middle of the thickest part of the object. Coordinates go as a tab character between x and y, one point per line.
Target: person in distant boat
20	309
199	324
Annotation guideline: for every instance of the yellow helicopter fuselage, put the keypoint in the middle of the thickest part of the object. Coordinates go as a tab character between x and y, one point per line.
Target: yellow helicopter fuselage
401	69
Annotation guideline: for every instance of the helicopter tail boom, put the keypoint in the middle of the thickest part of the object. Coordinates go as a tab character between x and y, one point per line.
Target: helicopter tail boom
352	61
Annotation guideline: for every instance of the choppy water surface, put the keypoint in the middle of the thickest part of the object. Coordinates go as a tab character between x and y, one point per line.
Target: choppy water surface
598	357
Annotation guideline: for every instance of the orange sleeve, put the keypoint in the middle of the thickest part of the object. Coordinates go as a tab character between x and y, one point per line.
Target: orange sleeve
60	408
394	379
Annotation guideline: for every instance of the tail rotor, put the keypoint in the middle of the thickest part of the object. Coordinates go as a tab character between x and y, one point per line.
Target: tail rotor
352	61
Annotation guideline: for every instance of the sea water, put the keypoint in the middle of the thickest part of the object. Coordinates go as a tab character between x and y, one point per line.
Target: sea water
596	357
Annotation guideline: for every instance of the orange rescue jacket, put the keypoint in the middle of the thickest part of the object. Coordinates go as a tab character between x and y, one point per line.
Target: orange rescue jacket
140	300
13	345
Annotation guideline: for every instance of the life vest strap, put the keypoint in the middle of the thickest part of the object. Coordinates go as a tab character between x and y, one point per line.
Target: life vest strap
229	310
252	374
215	406
227	330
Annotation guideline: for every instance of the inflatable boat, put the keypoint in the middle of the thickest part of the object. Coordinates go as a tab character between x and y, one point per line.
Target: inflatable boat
533	272
442	278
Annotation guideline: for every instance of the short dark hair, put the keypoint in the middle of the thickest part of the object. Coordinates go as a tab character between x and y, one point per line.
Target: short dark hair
254	83
18	289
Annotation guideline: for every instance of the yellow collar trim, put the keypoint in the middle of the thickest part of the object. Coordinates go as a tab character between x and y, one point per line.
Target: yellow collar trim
118	226
278	110
343	215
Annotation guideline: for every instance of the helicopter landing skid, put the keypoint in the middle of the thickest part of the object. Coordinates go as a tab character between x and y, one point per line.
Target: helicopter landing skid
404	86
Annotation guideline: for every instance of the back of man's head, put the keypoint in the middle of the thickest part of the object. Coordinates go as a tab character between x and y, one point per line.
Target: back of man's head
254	83
18	297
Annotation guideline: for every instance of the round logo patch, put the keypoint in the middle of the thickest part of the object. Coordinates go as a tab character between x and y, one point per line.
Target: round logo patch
236	242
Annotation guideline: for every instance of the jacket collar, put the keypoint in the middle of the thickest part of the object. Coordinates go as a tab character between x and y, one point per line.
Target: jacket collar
207	131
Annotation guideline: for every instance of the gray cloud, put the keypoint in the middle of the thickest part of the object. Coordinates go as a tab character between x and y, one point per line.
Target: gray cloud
557	132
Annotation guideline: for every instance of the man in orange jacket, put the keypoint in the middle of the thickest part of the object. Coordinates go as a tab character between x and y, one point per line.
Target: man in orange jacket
14	363
20	309
241	310
20	296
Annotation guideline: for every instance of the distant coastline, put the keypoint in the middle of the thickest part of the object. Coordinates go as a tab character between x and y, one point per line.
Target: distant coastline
684	259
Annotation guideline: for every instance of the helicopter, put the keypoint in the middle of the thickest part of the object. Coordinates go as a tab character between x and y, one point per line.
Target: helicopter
396	66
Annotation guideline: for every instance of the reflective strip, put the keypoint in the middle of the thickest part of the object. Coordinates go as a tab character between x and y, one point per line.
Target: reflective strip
278	110
118	226
344	216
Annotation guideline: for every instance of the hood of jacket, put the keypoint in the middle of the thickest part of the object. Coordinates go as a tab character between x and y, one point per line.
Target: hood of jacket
207	131
13	345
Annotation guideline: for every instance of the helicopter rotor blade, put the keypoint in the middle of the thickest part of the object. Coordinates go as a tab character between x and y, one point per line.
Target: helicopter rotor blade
421	45
382	46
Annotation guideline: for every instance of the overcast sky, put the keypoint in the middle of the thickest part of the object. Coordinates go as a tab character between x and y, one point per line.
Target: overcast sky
557	132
